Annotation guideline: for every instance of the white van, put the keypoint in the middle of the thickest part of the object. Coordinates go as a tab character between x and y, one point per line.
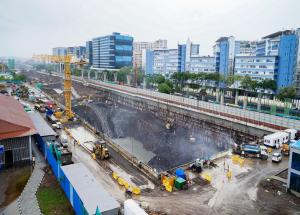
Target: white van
276	139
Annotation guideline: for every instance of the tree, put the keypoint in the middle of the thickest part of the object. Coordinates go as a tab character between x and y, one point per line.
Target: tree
169	83
287	93
19	77
267	84
122	73
164	88
248	84
159	79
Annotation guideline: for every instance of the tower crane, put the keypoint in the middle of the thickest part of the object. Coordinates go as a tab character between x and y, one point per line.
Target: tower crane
66	60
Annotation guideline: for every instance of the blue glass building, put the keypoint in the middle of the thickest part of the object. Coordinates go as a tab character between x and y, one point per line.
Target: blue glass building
181	57
287	60
89	52
224	54
149	62
112	51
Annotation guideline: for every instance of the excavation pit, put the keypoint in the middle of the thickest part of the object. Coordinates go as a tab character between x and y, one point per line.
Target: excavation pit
145	136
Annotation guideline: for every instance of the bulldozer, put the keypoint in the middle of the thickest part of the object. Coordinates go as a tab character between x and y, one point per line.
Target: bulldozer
100	151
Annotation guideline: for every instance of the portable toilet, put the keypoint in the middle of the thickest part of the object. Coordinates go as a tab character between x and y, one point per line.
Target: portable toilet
180	173
179	183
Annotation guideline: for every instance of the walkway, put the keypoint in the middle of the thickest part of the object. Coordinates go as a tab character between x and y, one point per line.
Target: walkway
27	203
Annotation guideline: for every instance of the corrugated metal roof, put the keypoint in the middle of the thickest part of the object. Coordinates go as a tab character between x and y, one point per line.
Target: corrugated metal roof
41	125
14	121
90	191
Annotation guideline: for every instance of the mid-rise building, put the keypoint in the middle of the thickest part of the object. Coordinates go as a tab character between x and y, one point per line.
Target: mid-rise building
76	51
297	71
138	48
60	51
257	67
224	54
160	58
89	52
284	45
205	64
172	64
147	61
181	57
191	50
245	48
112	51
160	44
287	59
269	45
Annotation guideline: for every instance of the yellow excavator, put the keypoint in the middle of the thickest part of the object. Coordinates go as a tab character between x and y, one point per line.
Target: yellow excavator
100	151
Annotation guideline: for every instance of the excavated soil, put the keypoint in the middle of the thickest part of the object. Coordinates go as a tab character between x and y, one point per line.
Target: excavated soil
171	147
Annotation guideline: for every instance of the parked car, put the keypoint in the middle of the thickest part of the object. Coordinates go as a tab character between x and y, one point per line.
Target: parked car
276	157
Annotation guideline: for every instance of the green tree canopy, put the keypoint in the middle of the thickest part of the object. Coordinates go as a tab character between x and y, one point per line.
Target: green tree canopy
164	88
267	84
122	73
287	93
248	84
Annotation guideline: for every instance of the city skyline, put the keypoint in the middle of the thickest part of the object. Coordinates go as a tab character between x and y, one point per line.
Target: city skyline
23	34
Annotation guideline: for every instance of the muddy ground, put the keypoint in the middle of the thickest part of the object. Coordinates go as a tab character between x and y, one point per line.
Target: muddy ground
171	147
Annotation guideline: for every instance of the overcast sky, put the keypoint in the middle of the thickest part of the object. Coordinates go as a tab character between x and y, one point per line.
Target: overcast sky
36	26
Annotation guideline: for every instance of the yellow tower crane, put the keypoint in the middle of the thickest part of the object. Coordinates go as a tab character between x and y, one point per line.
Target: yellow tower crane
66	60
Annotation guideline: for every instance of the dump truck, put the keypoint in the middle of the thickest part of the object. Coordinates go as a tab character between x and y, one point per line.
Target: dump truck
252	150
100	151
285	148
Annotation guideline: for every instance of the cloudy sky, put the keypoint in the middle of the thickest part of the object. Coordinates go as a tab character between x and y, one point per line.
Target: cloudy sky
35	26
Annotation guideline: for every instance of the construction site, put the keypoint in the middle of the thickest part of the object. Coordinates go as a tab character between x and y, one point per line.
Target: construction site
144	130
150	140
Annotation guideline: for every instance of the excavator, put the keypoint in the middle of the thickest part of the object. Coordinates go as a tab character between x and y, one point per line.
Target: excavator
100	151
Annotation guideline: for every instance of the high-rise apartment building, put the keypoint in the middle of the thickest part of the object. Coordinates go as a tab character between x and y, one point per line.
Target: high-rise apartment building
112	51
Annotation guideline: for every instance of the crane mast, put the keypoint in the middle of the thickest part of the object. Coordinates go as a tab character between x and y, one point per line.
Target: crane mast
66	60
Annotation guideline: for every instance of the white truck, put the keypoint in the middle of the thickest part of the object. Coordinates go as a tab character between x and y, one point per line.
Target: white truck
276	140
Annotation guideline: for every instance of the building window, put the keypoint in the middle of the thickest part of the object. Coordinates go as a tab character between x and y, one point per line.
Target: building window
296	161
